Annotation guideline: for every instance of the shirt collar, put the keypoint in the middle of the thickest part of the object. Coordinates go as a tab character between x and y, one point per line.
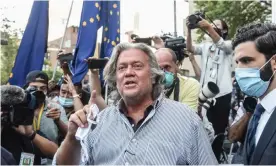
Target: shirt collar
120	103
268	102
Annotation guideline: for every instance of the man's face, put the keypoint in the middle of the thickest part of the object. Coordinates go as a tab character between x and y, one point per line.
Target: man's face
39	86
165	61
247	56
133	76
218	24
64	91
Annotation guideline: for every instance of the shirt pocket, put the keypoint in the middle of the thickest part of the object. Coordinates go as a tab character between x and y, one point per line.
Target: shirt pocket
161	152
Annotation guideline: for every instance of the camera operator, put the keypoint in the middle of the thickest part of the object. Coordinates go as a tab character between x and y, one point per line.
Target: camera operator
177	87
216	67
17	133
50	118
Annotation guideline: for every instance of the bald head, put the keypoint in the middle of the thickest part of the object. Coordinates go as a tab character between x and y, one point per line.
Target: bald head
167	59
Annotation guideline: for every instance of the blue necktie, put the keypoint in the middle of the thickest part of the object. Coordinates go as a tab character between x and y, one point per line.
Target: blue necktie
252	130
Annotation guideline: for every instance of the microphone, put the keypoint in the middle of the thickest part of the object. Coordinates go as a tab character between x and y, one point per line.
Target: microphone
12	95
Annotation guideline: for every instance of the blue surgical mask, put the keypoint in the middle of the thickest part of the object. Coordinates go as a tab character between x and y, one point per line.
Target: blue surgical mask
169	79
65	102
250	82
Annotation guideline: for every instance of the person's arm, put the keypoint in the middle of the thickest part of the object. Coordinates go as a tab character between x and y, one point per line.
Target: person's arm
238	130
219	41
95	84
196	49
47	147
69	152
195	66
77	101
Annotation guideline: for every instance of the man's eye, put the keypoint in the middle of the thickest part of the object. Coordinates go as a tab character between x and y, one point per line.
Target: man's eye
121	68
137	66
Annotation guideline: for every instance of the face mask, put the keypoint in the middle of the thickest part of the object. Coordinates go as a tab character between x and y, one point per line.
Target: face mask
250	82
169	79
65	102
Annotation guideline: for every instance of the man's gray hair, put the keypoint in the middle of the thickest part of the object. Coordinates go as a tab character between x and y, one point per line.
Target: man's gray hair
157	74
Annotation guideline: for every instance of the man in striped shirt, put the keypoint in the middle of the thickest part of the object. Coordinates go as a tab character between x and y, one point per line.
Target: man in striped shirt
143	127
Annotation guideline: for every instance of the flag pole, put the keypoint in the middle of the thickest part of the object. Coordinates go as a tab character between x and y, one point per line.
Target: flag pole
62	40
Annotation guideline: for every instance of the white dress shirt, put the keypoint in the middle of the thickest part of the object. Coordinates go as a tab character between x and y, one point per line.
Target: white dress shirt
269	103
216	65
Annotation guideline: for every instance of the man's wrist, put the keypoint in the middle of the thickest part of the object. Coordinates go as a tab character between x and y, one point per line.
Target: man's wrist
32	135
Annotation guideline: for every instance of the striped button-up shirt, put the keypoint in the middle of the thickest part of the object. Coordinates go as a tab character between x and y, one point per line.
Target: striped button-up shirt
171	134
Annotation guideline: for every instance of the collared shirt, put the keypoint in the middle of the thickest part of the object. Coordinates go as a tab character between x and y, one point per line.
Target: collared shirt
171	134
268	102
189	89
216	63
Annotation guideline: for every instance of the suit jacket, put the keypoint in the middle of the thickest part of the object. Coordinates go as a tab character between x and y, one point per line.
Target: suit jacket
265	151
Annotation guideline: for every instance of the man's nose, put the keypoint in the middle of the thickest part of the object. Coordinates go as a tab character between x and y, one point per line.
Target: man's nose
129	71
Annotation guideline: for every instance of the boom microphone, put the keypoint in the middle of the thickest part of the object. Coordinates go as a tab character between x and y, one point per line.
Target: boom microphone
11	95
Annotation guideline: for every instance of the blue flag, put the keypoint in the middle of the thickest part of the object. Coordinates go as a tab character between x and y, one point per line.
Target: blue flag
95	14
33	46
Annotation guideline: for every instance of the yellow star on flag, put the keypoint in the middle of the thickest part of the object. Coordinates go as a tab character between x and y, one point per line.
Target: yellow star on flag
98	17
97	5
113	43
84	23
111	12
91	20
117	39
114	5
105	29
105	38
108	41
118	30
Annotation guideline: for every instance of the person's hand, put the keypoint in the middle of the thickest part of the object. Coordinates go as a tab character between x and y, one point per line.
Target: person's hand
79	118
158	42
70	84
24	130
204	24
191	56
187	24
54	113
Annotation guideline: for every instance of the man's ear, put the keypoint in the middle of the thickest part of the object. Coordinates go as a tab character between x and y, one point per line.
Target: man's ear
273	62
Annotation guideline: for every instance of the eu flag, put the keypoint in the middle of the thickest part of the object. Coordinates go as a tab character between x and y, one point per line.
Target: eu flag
33	45
95	14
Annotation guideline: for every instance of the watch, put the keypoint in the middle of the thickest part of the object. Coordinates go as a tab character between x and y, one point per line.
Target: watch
31	137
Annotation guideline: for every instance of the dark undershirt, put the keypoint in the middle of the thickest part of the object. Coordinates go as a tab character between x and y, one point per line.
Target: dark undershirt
131	121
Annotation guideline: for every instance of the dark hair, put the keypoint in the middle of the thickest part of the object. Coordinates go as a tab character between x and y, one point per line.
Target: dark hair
263	34
224	26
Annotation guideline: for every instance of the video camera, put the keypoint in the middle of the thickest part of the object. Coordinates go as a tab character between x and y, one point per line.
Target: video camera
177	44
17	105
194	19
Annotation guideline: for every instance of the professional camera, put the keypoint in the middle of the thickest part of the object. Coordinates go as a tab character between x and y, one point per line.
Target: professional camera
208	91
194	19
177	45
17	105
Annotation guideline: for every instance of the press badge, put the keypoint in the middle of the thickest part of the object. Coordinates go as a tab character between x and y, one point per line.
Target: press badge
26	159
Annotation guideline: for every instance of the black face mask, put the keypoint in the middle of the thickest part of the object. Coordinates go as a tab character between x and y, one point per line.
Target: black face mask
220	33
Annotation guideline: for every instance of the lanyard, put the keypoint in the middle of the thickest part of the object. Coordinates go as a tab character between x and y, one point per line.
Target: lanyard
36	122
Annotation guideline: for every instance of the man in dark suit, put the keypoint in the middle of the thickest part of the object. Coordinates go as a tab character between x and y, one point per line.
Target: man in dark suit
255	54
